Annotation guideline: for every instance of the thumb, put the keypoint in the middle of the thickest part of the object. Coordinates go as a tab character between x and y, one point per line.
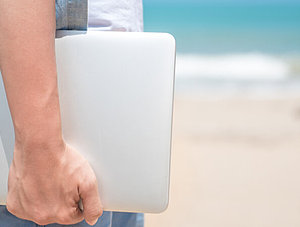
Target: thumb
91	203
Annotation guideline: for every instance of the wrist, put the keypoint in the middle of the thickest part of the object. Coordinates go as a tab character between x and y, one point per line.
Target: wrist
38	158
40	140
42	129
40	143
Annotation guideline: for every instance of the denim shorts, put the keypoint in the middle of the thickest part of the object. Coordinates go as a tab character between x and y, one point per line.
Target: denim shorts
73	15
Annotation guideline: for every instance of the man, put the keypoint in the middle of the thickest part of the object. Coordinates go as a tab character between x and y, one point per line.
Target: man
47	177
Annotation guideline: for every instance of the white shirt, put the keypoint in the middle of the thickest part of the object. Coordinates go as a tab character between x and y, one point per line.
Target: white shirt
116	15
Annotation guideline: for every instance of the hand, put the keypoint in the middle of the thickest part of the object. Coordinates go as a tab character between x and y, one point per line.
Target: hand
46	183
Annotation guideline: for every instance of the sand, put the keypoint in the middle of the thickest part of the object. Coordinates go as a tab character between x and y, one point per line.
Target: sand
235	163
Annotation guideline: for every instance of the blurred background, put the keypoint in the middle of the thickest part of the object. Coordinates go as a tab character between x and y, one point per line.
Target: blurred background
236	135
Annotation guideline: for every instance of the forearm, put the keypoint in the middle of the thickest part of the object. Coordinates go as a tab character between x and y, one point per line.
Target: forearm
27	62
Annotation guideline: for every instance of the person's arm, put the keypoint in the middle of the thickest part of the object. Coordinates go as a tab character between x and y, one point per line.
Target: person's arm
47	177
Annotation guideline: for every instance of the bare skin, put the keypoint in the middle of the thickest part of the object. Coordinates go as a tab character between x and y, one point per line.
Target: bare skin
47	177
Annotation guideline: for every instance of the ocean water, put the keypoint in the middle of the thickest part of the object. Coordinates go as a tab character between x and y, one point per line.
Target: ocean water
232	47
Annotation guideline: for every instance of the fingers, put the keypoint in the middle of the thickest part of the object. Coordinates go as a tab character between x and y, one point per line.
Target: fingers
72	216
67	215
92	207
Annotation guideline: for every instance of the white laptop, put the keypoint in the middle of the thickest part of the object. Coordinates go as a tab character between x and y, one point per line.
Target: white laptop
116	96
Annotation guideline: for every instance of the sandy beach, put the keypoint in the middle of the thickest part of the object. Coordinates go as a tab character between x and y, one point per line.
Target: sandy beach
235	162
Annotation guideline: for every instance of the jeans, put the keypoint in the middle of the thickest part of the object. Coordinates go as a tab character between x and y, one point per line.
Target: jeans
72	15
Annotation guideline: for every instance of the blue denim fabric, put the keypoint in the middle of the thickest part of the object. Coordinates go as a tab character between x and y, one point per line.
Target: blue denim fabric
71	14
108	219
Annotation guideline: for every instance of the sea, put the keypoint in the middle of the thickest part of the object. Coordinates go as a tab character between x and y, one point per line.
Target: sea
232	47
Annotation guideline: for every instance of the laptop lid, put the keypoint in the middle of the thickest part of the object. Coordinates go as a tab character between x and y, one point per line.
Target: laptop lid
116	96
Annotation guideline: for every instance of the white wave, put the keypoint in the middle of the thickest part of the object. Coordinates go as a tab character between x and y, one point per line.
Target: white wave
249	66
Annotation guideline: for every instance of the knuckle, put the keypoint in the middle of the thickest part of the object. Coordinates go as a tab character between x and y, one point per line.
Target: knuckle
94	213
41	218
66	216
10	208
100	212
